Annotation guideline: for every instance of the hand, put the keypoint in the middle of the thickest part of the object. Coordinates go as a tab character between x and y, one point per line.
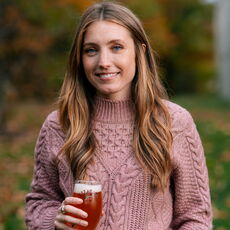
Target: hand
67	207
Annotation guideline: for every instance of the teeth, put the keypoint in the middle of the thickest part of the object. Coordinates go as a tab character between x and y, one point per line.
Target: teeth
107	75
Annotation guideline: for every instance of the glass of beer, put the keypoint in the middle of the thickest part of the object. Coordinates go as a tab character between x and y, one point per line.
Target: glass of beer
91	194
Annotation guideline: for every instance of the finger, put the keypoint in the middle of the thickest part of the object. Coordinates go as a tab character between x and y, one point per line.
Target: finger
72	200
72	220
76	211
62	226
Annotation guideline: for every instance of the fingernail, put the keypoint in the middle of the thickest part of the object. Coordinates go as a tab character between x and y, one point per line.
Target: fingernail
84	215
79	200
85	223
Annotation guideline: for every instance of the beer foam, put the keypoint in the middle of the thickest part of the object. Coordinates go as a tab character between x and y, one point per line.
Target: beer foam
81	188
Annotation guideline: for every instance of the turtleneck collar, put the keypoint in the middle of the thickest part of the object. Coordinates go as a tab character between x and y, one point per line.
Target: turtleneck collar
113	111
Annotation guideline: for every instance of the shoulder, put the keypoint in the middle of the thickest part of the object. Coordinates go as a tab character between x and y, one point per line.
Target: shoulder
52	120
50	138
52	124
180	117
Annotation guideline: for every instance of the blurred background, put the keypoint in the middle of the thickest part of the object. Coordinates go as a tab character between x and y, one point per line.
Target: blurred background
191	39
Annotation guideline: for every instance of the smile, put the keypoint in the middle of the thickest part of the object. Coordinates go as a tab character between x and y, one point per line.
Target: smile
106	75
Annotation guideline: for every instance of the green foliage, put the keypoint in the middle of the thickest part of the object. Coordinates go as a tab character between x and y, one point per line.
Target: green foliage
147	9
13	222
38	35
190	65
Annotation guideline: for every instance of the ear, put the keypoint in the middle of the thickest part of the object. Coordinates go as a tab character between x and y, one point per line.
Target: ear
144	47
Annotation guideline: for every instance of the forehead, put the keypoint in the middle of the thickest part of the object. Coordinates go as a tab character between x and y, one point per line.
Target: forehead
102	30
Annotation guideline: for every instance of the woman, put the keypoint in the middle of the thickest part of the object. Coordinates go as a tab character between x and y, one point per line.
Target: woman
115	125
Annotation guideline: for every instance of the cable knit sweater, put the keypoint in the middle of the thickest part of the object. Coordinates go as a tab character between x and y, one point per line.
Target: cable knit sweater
129	202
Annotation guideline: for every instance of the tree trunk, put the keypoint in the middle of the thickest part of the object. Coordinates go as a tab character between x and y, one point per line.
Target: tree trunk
222	32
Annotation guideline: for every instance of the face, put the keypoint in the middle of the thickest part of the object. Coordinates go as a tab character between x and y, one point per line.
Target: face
109	59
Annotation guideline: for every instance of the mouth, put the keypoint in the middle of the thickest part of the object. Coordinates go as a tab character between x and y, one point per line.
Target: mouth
106	75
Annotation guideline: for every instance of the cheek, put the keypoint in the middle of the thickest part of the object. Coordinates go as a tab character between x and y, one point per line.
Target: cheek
87	65
127	61
130	64
131	58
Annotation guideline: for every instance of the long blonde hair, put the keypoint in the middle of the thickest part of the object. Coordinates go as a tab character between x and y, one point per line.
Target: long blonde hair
152	138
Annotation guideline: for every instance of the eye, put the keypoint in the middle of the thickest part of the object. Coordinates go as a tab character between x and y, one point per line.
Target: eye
117	47
90	51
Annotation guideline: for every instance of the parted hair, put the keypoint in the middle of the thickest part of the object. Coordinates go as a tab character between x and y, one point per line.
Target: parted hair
152	139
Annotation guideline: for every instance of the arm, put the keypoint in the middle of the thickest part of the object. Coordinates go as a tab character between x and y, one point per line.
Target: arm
192	205
45	198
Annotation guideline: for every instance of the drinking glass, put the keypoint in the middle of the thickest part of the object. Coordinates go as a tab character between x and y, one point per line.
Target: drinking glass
91	194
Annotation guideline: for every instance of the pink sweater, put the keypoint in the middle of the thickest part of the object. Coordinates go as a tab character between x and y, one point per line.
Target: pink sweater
129	202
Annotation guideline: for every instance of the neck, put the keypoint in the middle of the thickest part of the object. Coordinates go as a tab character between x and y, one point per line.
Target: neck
113	111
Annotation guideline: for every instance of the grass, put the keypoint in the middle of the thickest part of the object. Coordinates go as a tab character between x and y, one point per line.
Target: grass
211	114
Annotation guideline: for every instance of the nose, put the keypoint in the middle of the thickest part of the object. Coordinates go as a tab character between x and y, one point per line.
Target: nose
104	59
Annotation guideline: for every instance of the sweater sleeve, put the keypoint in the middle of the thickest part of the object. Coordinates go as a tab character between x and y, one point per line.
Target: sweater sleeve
45	196
192	205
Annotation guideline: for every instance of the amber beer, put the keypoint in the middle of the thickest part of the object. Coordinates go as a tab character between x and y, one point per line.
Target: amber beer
91	194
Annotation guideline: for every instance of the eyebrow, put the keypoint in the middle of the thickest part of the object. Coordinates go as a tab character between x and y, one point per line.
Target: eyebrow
110	42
